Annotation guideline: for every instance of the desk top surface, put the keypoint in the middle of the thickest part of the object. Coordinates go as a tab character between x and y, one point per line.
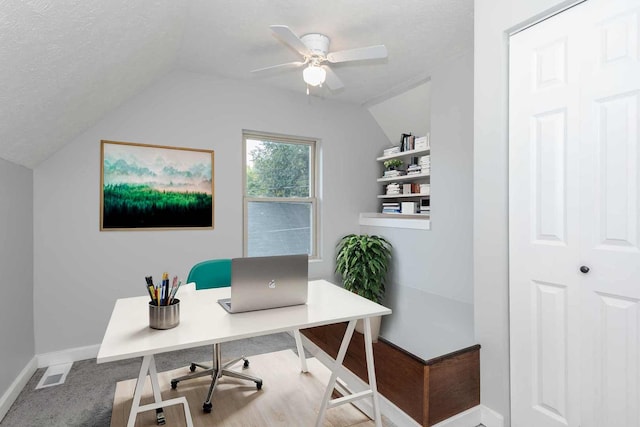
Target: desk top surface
203	321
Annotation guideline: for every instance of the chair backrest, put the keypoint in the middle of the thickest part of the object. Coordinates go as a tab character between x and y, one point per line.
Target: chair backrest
214	273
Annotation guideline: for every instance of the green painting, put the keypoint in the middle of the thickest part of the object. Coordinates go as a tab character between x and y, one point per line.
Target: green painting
151	187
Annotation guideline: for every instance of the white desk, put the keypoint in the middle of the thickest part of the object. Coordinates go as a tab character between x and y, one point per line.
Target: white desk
204	322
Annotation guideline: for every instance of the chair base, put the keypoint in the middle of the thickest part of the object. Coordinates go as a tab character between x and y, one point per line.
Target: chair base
217	371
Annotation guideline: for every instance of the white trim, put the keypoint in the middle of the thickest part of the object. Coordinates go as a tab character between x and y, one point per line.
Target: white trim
549	13
314	183
67	356
491	418
469	418
16	387
355	384
472	417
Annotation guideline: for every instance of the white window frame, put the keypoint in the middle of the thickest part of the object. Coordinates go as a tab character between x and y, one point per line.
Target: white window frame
314	179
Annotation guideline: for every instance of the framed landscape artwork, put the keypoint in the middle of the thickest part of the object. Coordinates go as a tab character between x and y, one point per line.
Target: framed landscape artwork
154	187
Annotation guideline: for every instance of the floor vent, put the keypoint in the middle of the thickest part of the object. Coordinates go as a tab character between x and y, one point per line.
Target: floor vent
54	375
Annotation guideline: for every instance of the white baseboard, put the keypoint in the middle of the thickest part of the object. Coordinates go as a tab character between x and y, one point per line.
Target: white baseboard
43	361
469	418
472	417
67	356
491	418
16	387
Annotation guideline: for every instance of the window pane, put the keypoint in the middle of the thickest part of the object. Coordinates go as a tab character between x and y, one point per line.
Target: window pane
277	169
279	228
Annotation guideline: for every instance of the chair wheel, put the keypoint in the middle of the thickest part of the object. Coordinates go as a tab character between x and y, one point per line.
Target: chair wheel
174	384
206	407
259	385
246	363
192	368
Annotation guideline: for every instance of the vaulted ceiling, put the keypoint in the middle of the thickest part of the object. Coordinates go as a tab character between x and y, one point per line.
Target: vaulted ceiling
67	63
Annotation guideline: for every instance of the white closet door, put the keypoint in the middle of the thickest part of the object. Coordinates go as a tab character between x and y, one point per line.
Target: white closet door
574	190
610	223
544	224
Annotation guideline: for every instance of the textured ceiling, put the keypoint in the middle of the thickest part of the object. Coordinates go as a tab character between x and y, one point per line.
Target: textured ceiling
66	63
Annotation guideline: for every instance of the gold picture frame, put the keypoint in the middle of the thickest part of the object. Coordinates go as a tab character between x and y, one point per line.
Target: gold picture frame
151	187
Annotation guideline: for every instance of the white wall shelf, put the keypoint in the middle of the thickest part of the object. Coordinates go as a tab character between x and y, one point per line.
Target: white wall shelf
416	222
403	154
404	177
393	202
401	196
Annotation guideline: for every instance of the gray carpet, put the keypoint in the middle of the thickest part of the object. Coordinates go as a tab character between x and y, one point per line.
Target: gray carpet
86	397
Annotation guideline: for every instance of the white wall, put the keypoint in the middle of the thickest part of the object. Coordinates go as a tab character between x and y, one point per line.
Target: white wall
431	288
80	271
16	266
493	19
415	117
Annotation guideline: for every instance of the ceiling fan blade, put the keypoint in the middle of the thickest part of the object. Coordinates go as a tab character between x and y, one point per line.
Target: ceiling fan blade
280	66
332	80
290	38
370	52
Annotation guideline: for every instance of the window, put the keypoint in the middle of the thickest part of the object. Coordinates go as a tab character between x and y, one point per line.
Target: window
279	195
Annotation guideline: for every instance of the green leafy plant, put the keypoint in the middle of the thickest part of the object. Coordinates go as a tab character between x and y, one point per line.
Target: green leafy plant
363	261
392	164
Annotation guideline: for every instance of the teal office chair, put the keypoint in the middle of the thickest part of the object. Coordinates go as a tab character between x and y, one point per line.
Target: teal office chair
215	273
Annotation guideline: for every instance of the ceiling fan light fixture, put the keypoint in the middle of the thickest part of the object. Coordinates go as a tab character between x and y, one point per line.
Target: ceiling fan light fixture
314	75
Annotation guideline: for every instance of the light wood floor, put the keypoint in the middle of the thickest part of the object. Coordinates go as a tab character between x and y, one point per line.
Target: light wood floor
288	398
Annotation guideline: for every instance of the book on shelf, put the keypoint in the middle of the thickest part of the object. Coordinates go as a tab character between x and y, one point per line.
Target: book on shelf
393	186
422	142
409	208
391	207
393	173
390	151
407	142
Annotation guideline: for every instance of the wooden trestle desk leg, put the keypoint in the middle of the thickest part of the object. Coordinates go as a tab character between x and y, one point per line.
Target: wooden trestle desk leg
337	366
149	367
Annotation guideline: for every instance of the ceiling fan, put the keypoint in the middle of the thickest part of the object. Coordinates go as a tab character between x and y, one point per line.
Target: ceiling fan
314	48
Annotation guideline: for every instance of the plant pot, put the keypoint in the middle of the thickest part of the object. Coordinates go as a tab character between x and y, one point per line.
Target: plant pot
375	327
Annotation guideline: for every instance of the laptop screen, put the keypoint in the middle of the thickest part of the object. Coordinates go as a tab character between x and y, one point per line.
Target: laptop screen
259	283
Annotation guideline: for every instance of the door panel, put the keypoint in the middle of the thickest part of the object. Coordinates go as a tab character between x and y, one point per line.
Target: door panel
574	200
609	225
543	228
550	354
549	168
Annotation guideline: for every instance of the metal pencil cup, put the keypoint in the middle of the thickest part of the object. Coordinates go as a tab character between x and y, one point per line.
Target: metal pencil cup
164	316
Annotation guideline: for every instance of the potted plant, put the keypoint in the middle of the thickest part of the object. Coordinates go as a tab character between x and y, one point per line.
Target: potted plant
363	261
392	164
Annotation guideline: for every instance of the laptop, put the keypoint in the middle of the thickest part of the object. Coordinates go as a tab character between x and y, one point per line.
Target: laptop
260	283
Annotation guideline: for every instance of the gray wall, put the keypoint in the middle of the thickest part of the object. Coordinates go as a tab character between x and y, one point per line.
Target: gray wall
493	19
84	270
415	118
16	267
431	288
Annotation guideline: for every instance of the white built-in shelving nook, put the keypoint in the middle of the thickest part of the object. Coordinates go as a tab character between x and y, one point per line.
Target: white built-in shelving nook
405	199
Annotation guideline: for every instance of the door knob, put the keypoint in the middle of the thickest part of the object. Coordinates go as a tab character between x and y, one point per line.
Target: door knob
584	269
